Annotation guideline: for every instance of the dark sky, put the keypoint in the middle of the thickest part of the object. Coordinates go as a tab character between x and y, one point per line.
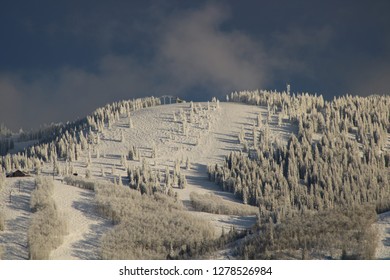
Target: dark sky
60	60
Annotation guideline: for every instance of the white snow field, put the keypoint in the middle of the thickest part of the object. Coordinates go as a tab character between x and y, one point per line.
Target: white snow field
210	134
15	204
156	127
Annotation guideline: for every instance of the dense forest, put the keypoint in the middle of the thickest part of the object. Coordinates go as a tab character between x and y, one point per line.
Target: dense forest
339	160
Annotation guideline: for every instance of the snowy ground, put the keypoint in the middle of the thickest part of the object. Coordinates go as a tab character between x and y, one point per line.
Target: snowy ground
383	225
211	135
156	127
85	227
15	204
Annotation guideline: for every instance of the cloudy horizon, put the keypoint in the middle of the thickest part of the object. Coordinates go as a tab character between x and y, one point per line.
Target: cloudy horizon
60	61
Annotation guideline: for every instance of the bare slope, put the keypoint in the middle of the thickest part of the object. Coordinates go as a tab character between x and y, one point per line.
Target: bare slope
211	135
85	227
15	204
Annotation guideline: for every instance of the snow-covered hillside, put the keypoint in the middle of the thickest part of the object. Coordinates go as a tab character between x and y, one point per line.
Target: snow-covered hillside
193	135
209	135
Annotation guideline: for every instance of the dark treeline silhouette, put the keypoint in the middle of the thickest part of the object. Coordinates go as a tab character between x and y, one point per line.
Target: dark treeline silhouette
6	141
4	131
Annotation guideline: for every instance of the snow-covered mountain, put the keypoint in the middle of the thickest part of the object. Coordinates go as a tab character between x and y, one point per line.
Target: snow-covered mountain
151	148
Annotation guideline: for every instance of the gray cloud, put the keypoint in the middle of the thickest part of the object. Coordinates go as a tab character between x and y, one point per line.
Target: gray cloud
187	52
190	49
11	100
369	78
297	38
196	52
69	93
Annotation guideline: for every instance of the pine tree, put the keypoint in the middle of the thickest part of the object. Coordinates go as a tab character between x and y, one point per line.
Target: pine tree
182	181
88	173
188	164
131	125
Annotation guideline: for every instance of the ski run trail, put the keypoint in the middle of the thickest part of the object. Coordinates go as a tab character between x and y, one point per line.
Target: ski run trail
210	136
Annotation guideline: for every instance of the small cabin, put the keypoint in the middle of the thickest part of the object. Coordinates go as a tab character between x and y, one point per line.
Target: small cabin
17	173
